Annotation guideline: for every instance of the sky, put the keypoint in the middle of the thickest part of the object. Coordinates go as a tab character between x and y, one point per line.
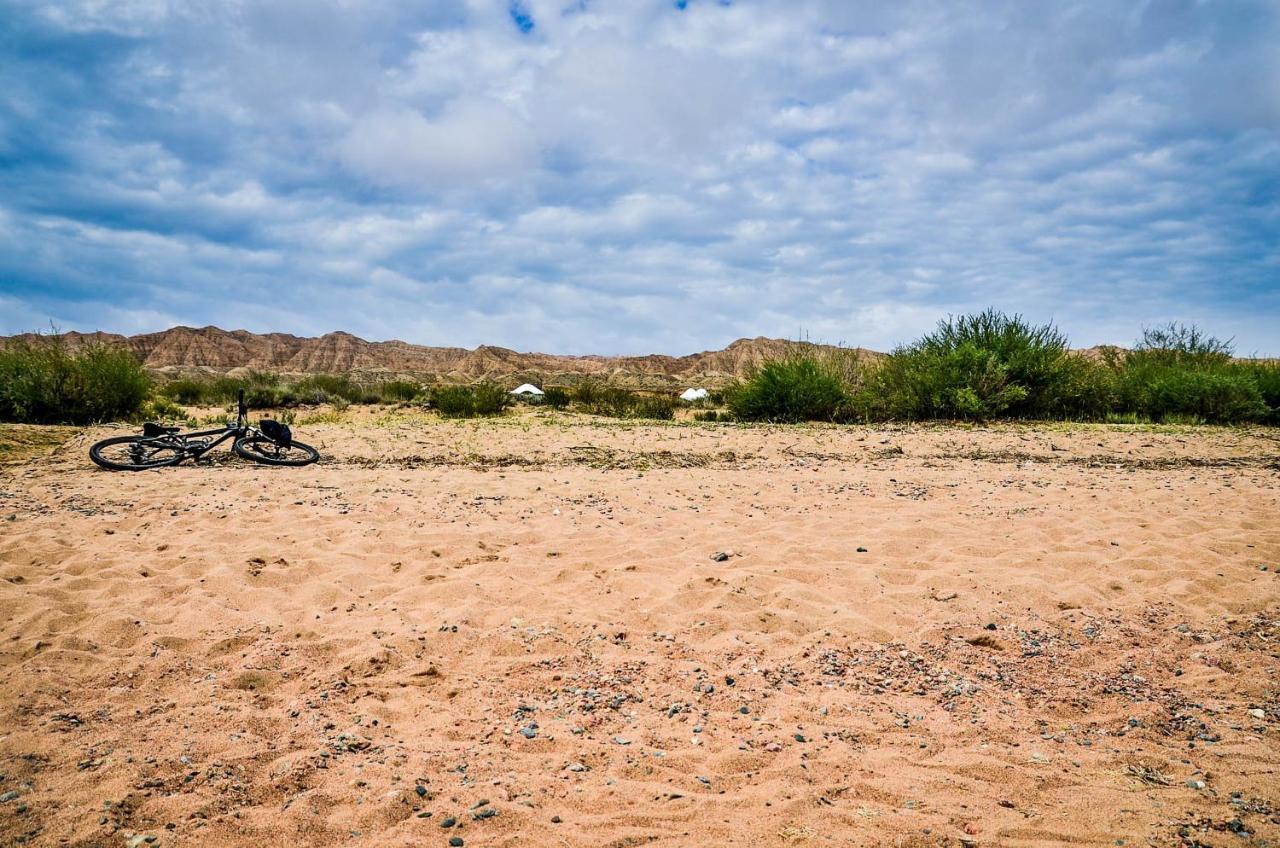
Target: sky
623	176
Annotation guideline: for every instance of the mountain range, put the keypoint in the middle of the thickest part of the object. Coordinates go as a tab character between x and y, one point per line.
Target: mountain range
188	351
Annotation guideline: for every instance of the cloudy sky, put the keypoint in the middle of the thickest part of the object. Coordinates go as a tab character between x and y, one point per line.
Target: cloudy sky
623	176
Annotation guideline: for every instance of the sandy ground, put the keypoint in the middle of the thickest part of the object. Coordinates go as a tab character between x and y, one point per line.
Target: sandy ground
554	631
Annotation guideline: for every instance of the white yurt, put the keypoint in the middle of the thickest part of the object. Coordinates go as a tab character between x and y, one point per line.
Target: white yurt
527	390
694	394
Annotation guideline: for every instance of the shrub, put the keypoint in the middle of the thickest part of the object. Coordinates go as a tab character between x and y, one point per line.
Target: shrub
43	382
706	415
186	391
160	408
490	398
798	387
1177	373
656	407
983	366
470	401
398	391
556	398
588	394
1266	376
323	388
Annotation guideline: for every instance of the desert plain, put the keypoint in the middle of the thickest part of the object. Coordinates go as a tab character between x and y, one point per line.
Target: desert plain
556	630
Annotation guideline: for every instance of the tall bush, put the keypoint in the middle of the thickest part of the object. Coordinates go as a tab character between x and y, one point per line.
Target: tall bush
798	387
42	381
1177	372
982	366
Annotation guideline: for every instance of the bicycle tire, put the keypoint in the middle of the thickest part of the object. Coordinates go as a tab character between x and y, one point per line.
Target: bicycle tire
162	455
260	449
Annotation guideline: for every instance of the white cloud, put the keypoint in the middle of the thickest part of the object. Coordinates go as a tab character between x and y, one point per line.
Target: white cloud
850	169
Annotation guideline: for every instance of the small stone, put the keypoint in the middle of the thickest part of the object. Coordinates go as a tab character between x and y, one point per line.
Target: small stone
862	550
421	790
448	822
1258	713
991	626
556	820
576	767
799	737
719	556
1195	784
529	731
8	796
455	842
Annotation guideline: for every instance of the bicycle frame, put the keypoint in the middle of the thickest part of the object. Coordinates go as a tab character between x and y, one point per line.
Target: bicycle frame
235	430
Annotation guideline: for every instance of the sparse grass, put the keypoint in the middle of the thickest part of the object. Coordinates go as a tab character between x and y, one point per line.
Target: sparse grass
42	381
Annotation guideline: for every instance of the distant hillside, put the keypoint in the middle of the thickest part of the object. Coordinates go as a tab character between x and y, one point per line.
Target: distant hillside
184	350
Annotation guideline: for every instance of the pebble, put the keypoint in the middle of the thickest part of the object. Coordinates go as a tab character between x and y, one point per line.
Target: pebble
455	841
1258	713
862	550
448	822
556	820
421	790
1195	784
8	796
719	556
799	737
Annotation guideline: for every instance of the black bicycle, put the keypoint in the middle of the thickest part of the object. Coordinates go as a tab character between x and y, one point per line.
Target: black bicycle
270	442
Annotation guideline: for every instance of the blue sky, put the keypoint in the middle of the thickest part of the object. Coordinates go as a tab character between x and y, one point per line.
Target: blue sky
626	177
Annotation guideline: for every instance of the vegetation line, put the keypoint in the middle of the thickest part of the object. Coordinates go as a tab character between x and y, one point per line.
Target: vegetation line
981	367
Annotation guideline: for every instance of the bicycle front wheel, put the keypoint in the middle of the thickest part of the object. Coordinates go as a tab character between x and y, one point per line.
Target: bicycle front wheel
262	449
134	453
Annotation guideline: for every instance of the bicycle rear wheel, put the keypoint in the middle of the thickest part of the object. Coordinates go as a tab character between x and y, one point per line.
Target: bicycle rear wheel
134	453
262	449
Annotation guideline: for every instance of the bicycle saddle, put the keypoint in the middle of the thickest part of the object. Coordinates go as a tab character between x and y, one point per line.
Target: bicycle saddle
152	429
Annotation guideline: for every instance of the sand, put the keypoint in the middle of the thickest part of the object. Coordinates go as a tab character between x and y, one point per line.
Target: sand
557	631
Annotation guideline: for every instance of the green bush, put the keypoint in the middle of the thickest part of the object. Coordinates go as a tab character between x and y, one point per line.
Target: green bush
1176	373
483	399
1266	376
655	407
43	382
160	408
706	415
556	398
397	391
798	387
316	389
988	365
490	398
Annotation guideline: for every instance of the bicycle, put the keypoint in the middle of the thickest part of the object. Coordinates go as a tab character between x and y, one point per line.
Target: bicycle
271	443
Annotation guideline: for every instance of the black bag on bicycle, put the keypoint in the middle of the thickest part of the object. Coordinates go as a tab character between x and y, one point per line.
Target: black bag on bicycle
277	432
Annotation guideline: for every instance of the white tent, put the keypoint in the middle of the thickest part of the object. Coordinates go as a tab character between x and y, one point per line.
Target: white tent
528	390
694	394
